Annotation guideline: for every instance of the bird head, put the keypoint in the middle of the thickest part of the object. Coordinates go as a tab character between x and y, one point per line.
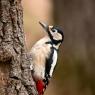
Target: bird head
55	33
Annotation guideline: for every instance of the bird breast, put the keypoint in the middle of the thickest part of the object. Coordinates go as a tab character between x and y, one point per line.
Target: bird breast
39	55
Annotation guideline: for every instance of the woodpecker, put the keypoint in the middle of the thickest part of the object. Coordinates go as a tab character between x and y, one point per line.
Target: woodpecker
44	56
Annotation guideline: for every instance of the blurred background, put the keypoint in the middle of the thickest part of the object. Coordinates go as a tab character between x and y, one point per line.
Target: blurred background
75	71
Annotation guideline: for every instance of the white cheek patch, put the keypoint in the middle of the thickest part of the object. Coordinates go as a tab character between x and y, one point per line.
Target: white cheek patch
57	36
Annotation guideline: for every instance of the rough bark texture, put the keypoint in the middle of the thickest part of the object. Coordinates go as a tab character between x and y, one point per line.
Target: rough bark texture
15	75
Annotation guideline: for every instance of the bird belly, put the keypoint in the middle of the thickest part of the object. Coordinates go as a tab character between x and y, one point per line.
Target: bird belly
39	56
38	72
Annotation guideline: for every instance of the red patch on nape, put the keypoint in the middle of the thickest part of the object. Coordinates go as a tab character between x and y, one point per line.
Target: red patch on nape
40	87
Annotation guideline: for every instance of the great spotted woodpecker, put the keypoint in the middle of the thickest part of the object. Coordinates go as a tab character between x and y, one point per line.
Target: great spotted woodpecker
44	56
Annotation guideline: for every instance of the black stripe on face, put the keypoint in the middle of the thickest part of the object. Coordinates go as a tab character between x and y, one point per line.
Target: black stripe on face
60	32
56	41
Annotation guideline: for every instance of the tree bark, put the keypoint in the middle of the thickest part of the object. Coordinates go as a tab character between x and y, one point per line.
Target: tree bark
15	74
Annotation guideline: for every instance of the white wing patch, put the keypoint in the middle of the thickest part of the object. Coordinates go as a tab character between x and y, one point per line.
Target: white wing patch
54	62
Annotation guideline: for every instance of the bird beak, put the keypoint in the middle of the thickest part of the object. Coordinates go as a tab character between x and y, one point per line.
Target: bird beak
45	26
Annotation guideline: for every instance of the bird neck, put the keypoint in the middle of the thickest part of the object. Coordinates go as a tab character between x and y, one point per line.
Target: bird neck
47	40
55	46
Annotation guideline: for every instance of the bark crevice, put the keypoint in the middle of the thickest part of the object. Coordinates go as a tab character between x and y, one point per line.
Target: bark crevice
12	50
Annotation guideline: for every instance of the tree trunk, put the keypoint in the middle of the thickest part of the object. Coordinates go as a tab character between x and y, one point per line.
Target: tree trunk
15	75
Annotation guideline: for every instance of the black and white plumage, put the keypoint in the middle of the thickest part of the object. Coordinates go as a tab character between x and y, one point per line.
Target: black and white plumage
44	56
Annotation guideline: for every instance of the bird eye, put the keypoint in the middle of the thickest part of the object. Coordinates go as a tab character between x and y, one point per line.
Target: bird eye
53	30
